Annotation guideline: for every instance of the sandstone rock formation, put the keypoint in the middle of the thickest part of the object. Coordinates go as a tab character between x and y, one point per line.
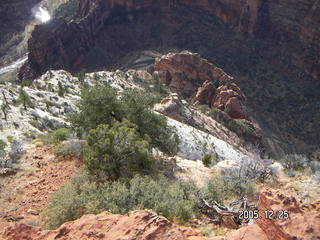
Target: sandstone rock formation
140	225
303	223
63	45
188	74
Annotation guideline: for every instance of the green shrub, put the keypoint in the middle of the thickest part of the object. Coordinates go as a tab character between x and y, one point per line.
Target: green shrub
56	136
219	115
24	99
10	138
70	147
102	106
60	134
207	159
294	162
137	106
61	89
83	196
16	150
62	149
4	108
97	106
117	150
81	76
229	185
241	127
3	145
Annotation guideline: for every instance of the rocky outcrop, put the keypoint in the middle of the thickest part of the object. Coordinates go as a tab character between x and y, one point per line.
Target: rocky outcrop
229	98
141	225
303	223
205	93
191	76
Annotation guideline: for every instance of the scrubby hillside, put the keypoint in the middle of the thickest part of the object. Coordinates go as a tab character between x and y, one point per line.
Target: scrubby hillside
113	123
154	140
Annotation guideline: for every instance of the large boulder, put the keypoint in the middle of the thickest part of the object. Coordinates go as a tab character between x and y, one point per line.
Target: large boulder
205	93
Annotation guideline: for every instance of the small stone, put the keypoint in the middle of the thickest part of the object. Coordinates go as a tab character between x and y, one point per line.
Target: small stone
32	212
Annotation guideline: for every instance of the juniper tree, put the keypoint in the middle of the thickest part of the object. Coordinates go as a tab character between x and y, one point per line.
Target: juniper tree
4	108
24	99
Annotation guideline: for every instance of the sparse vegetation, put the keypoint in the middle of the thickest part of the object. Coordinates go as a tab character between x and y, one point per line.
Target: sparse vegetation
60	134
70	147
207	159
81	76
294	162
241	127
229	186
56	136
172	199
3	153
16	150
4	109
3	145
61	89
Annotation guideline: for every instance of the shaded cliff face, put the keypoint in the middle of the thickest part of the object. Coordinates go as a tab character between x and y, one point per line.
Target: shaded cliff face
294	27
14	16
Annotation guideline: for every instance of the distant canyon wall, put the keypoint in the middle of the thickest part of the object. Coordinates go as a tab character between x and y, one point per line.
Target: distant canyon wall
294	23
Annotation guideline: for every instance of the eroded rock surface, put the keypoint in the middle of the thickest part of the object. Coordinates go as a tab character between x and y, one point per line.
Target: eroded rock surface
140	225
191	76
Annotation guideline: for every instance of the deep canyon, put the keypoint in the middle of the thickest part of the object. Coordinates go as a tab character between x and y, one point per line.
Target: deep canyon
271	46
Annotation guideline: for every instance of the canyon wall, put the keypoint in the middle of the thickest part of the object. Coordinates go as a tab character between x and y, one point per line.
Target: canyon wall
291	24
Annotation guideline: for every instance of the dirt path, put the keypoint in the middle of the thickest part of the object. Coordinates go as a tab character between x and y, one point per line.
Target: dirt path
24	195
